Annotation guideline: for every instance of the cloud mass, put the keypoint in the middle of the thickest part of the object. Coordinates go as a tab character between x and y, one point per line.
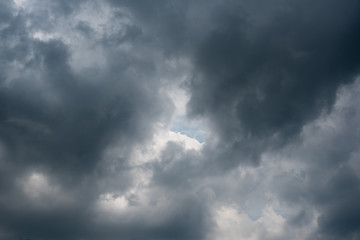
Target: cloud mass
179	120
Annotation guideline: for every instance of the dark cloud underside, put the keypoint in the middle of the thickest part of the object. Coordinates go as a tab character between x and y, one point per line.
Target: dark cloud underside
84	97
261	80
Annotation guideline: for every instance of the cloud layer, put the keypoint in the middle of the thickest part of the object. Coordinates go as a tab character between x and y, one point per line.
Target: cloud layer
179	119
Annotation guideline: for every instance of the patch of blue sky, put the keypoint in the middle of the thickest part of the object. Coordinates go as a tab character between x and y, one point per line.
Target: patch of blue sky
193	129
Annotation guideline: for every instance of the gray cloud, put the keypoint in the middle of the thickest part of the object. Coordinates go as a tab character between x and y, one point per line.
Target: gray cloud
328	179
83	104
260	80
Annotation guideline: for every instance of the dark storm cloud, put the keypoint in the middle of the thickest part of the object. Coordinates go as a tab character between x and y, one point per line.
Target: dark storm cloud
328	180
261	72
82	121
342	218
58	122
260	79
167	21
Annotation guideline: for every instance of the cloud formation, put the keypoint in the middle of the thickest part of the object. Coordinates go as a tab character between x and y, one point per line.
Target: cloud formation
179	119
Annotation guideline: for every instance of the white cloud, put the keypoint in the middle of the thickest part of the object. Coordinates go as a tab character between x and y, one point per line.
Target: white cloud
42	192
111	203
152	151
233	224
21	3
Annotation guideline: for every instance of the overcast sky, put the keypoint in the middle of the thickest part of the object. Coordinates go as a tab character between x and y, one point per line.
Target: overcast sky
179	119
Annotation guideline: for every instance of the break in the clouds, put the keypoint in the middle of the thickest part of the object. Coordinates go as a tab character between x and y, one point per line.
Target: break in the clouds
214	120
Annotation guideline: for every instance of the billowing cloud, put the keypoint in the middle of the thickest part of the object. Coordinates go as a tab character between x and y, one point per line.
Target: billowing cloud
261	76
179	120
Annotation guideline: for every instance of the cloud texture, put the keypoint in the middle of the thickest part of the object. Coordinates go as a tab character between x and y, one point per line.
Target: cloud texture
179	119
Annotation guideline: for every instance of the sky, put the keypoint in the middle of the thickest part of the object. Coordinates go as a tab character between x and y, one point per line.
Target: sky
179	119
